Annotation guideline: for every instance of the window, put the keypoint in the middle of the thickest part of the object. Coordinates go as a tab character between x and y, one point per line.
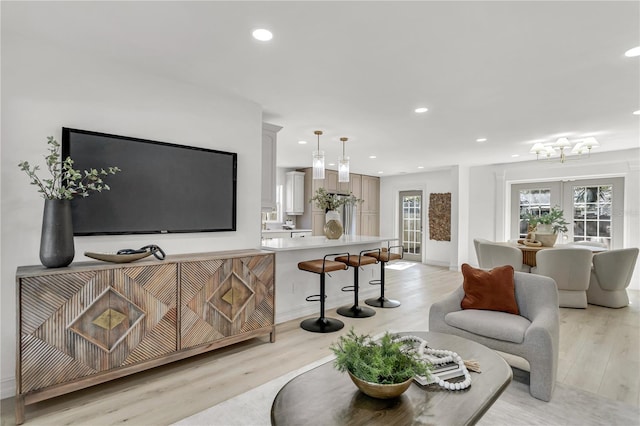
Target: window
592	207
534	202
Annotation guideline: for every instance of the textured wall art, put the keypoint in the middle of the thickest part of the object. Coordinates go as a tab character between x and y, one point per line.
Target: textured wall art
440	217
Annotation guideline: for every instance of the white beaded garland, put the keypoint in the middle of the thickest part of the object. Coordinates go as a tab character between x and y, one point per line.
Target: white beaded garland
440	356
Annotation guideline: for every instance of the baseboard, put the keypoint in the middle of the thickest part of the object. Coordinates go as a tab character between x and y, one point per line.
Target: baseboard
8	388
438	263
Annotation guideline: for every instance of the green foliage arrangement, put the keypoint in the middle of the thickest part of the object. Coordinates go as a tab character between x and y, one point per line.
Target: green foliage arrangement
385	361
555	218
326	201
66	182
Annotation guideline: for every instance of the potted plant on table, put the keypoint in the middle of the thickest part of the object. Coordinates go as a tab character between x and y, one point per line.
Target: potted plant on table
65	183
381	369
547	225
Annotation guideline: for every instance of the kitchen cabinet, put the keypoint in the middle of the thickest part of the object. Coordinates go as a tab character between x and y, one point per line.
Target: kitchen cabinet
318	222
370	224
269	151
295	193
331	181
355	186
370	194
332	185
363	187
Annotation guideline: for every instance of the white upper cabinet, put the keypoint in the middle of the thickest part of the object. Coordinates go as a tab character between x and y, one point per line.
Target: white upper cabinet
269	150
295	193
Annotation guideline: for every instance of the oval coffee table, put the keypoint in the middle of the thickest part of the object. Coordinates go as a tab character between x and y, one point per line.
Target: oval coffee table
324	396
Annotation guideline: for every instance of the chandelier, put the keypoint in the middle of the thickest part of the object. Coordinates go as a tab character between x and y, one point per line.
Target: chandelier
562	147
343	165
318	159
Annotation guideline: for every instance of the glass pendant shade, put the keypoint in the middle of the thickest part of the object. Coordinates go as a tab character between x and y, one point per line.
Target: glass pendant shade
318	164
318	159
343	169
343	165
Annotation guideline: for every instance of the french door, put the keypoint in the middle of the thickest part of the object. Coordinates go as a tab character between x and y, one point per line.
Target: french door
593	207
411	207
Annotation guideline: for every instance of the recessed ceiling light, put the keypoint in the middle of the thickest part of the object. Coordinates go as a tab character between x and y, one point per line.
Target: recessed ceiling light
632	52
372	156
302	142
421	110
636	112
515	155
421	167
380	172
332	164
481	140
262	34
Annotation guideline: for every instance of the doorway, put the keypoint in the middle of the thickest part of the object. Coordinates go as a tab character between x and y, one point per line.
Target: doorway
411	224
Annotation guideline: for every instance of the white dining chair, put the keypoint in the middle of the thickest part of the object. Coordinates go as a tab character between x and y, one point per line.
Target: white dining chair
610	277
476	244
570	268
497	254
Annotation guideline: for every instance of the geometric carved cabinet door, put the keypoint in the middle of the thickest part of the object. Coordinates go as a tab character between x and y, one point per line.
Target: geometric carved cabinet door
225	297
81	323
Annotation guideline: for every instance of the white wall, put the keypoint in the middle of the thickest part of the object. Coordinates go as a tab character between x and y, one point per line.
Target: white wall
441	253
44	89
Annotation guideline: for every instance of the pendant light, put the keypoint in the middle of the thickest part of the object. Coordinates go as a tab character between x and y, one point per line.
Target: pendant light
318	159
343	164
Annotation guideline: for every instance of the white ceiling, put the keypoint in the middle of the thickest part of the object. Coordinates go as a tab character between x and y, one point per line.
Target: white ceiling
512	72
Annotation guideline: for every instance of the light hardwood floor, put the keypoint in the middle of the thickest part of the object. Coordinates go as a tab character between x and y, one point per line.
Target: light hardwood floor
599	353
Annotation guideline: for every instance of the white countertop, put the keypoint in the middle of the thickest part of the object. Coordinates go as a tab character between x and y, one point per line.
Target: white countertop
288	244
267	231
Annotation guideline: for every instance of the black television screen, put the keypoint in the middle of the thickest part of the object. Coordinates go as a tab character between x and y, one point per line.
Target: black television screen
162	187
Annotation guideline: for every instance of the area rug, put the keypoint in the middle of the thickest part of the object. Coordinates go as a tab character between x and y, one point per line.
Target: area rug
569	406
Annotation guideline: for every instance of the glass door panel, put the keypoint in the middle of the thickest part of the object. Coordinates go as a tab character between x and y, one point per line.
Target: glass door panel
411	224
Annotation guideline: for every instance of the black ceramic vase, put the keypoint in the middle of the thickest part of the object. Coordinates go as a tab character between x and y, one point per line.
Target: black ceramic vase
56	240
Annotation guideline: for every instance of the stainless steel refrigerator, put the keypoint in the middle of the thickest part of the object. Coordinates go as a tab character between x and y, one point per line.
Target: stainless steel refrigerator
349	216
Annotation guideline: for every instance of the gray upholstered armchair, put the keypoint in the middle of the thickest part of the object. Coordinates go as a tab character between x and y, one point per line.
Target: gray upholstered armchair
532	335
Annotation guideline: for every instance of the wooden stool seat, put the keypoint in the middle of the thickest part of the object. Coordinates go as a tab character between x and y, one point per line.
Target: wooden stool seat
354	260
385	256
319	266
322	266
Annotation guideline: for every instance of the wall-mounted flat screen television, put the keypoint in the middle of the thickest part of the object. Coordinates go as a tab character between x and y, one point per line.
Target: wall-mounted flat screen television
162	187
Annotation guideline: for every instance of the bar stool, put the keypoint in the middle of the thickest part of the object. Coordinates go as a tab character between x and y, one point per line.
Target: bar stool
383	257
322	266
356	261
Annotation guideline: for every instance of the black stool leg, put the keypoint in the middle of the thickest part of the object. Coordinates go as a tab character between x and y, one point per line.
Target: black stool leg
356	311
322	324
382	302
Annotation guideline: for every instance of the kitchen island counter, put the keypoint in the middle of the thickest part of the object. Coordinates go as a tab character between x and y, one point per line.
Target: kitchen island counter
293	285
287	244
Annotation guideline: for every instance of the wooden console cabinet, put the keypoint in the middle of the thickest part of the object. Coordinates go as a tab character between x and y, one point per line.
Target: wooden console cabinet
93	322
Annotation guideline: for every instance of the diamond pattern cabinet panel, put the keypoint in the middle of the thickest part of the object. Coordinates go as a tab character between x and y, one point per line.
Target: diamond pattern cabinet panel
93	322
79	324
224	298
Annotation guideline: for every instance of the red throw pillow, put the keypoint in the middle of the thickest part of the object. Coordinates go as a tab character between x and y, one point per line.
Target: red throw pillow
492	290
